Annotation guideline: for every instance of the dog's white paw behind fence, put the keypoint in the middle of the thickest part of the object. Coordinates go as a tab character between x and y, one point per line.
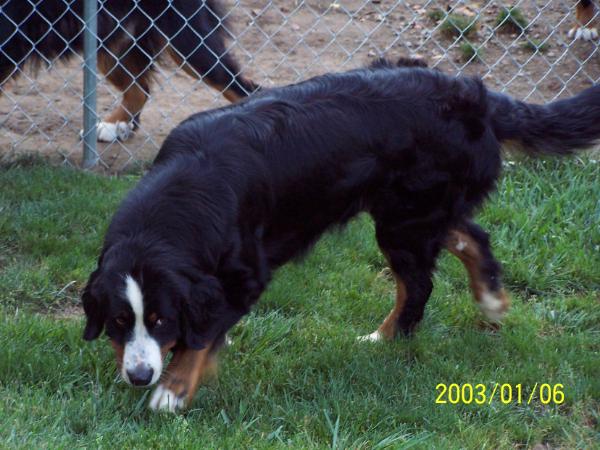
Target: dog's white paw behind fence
111	132
583	33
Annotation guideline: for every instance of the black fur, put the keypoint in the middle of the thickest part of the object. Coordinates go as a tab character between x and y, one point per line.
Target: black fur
236	192
53	29
556	128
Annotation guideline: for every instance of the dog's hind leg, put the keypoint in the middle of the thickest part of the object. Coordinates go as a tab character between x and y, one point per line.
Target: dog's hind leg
470	243
198	46
182	377
218	71
585	26
131	75
411	251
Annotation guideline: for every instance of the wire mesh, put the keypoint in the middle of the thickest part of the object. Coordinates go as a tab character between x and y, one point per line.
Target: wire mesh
522	47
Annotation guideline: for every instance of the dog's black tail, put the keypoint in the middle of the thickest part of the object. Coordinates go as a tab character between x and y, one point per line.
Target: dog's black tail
558	128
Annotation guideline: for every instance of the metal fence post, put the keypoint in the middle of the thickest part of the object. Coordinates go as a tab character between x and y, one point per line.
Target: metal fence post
90	48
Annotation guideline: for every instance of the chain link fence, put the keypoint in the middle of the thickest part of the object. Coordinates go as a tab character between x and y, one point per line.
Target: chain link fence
521	48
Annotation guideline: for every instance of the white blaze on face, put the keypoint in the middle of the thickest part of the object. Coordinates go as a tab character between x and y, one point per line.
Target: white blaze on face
141	348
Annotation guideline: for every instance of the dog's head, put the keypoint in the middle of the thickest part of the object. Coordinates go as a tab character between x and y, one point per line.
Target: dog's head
147	310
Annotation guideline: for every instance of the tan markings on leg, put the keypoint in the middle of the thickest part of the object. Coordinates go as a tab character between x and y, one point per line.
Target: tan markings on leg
389	327
134	99
182	377
180	61
133	82
584	14
118	354
584	27
228	93
493	304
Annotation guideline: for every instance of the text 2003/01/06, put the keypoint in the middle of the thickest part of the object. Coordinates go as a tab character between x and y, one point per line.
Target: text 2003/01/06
506	393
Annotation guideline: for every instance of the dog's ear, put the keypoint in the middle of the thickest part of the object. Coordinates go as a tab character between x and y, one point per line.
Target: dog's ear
203	311
94	307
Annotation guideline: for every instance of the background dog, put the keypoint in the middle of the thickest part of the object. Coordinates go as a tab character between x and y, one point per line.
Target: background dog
584	28
237	192
132	37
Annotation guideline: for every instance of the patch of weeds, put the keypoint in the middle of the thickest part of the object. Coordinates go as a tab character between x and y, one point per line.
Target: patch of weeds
458	25
511	20
436	14
24	160
535	45
470	52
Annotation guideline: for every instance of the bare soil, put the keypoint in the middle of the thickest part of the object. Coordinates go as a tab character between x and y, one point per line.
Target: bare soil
283	41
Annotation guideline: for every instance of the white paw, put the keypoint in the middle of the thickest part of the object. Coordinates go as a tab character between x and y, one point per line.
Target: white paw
375	336
164	399
110	132
493	307
583	33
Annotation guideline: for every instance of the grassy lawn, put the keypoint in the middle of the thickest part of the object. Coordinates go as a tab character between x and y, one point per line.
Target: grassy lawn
295	375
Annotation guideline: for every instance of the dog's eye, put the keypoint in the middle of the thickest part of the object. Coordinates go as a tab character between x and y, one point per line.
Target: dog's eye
155	321
121	321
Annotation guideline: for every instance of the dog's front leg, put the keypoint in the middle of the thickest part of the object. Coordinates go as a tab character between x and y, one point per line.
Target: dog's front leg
182	377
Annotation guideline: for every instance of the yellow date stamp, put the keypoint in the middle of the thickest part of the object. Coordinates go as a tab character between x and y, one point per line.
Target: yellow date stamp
505	393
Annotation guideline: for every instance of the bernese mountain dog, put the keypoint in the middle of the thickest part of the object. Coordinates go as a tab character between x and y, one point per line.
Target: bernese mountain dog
237	192
132	36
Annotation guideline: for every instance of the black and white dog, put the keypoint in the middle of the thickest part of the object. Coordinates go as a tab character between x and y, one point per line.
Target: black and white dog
239	191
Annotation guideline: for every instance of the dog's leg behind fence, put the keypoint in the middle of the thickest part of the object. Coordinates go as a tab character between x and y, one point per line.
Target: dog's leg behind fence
90	48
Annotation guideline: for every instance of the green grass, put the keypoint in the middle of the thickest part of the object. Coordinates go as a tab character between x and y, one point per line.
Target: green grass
470	52
511	20
457	25
535	45
295	376
436	14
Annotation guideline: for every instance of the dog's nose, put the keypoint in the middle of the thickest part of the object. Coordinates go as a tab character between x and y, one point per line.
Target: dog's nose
141	375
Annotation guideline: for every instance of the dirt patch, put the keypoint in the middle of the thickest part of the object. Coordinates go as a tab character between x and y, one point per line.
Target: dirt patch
68	311
286	41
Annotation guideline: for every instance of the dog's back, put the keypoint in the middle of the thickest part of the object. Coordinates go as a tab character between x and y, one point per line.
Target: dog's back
377	110
334	143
